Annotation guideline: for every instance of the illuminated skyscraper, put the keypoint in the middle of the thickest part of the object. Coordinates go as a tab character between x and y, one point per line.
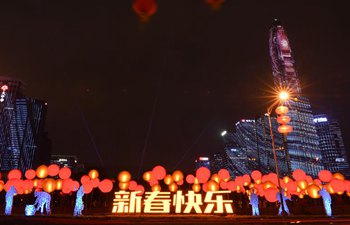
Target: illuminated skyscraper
331	144
302	144
22	122
249	147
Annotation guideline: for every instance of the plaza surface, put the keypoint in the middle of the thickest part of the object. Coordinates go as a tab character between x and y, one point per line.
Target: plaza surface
172	219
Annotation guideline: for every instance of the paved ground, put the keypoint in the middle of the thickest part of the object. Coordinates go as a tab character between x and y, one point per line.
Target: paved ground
170	219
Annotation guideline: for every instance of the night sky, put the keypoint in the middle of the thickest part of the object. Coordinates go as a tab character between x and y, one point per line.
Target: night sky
113	84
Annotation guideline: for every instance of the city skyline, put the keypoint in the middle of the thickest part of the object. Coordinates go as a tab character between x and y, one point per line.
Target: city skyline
106	83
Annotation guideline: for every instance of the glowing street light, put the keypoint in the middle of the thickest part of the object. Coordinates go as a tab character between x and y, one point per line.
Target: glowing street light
223	133
281	110
283	96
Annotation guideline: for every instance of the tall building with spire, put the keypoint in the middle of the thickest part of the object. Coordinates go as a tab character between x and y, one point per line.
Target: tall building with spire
302	144
23	141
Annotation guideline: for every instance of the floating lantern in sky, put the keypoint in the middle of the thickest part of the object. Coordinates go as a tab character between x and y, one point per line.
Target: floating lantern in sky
144	9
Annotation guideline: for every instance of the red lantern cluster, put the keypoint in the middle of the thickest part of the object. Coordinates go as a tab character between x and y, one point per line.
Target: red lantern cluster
283	119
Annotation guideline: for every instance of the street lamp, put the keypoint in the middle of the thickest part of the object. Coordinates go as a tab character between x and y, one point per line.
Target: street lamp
281	110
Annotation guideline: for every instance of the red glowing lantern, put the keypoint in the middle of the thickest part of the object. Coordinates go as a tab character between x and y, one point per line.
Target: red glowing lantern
145	9
246	179
281	110
299	175
224	175
283	119
147	176
105	186
53	170
190	178
93	174
196	187
14	174
123	185
64	173
181	182
325	175
215	177
75	185
124	176
173	187
223	185
49	185
140	189
95	182
1	185
239	181
87	187
168	179
153	182
292	186
256	175
178	175
41	171
312	190
339	176
309	179
285	129
269	184
271	194
156	187
203	174
67	184
59	184
212	185
28	185
84	179
159	172
132	185
30	174
337	185
232	186
318	182
215	4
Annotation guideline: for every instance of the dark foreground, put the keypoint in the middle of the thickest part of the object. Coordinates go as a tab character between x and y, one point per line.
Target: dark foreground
170	219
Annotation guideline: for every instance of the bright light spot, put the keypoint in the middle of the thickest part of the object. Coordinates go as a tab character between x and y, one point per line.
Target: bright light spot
284	43
223	133
203	158
283	95
4	87
321	119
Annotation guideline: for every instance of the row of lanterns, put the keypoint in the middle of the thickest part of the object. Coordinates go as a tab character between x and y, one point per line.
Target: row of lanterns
283	120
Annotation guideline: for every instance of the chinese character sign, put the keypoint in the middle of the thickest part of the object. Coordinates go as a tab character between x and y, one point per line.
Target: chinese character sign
163	202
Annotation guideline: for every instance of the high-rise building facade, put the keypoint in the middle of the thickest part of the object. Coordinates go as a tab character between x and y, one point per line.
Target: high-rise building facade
249	147
331	144
302	144
22	121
